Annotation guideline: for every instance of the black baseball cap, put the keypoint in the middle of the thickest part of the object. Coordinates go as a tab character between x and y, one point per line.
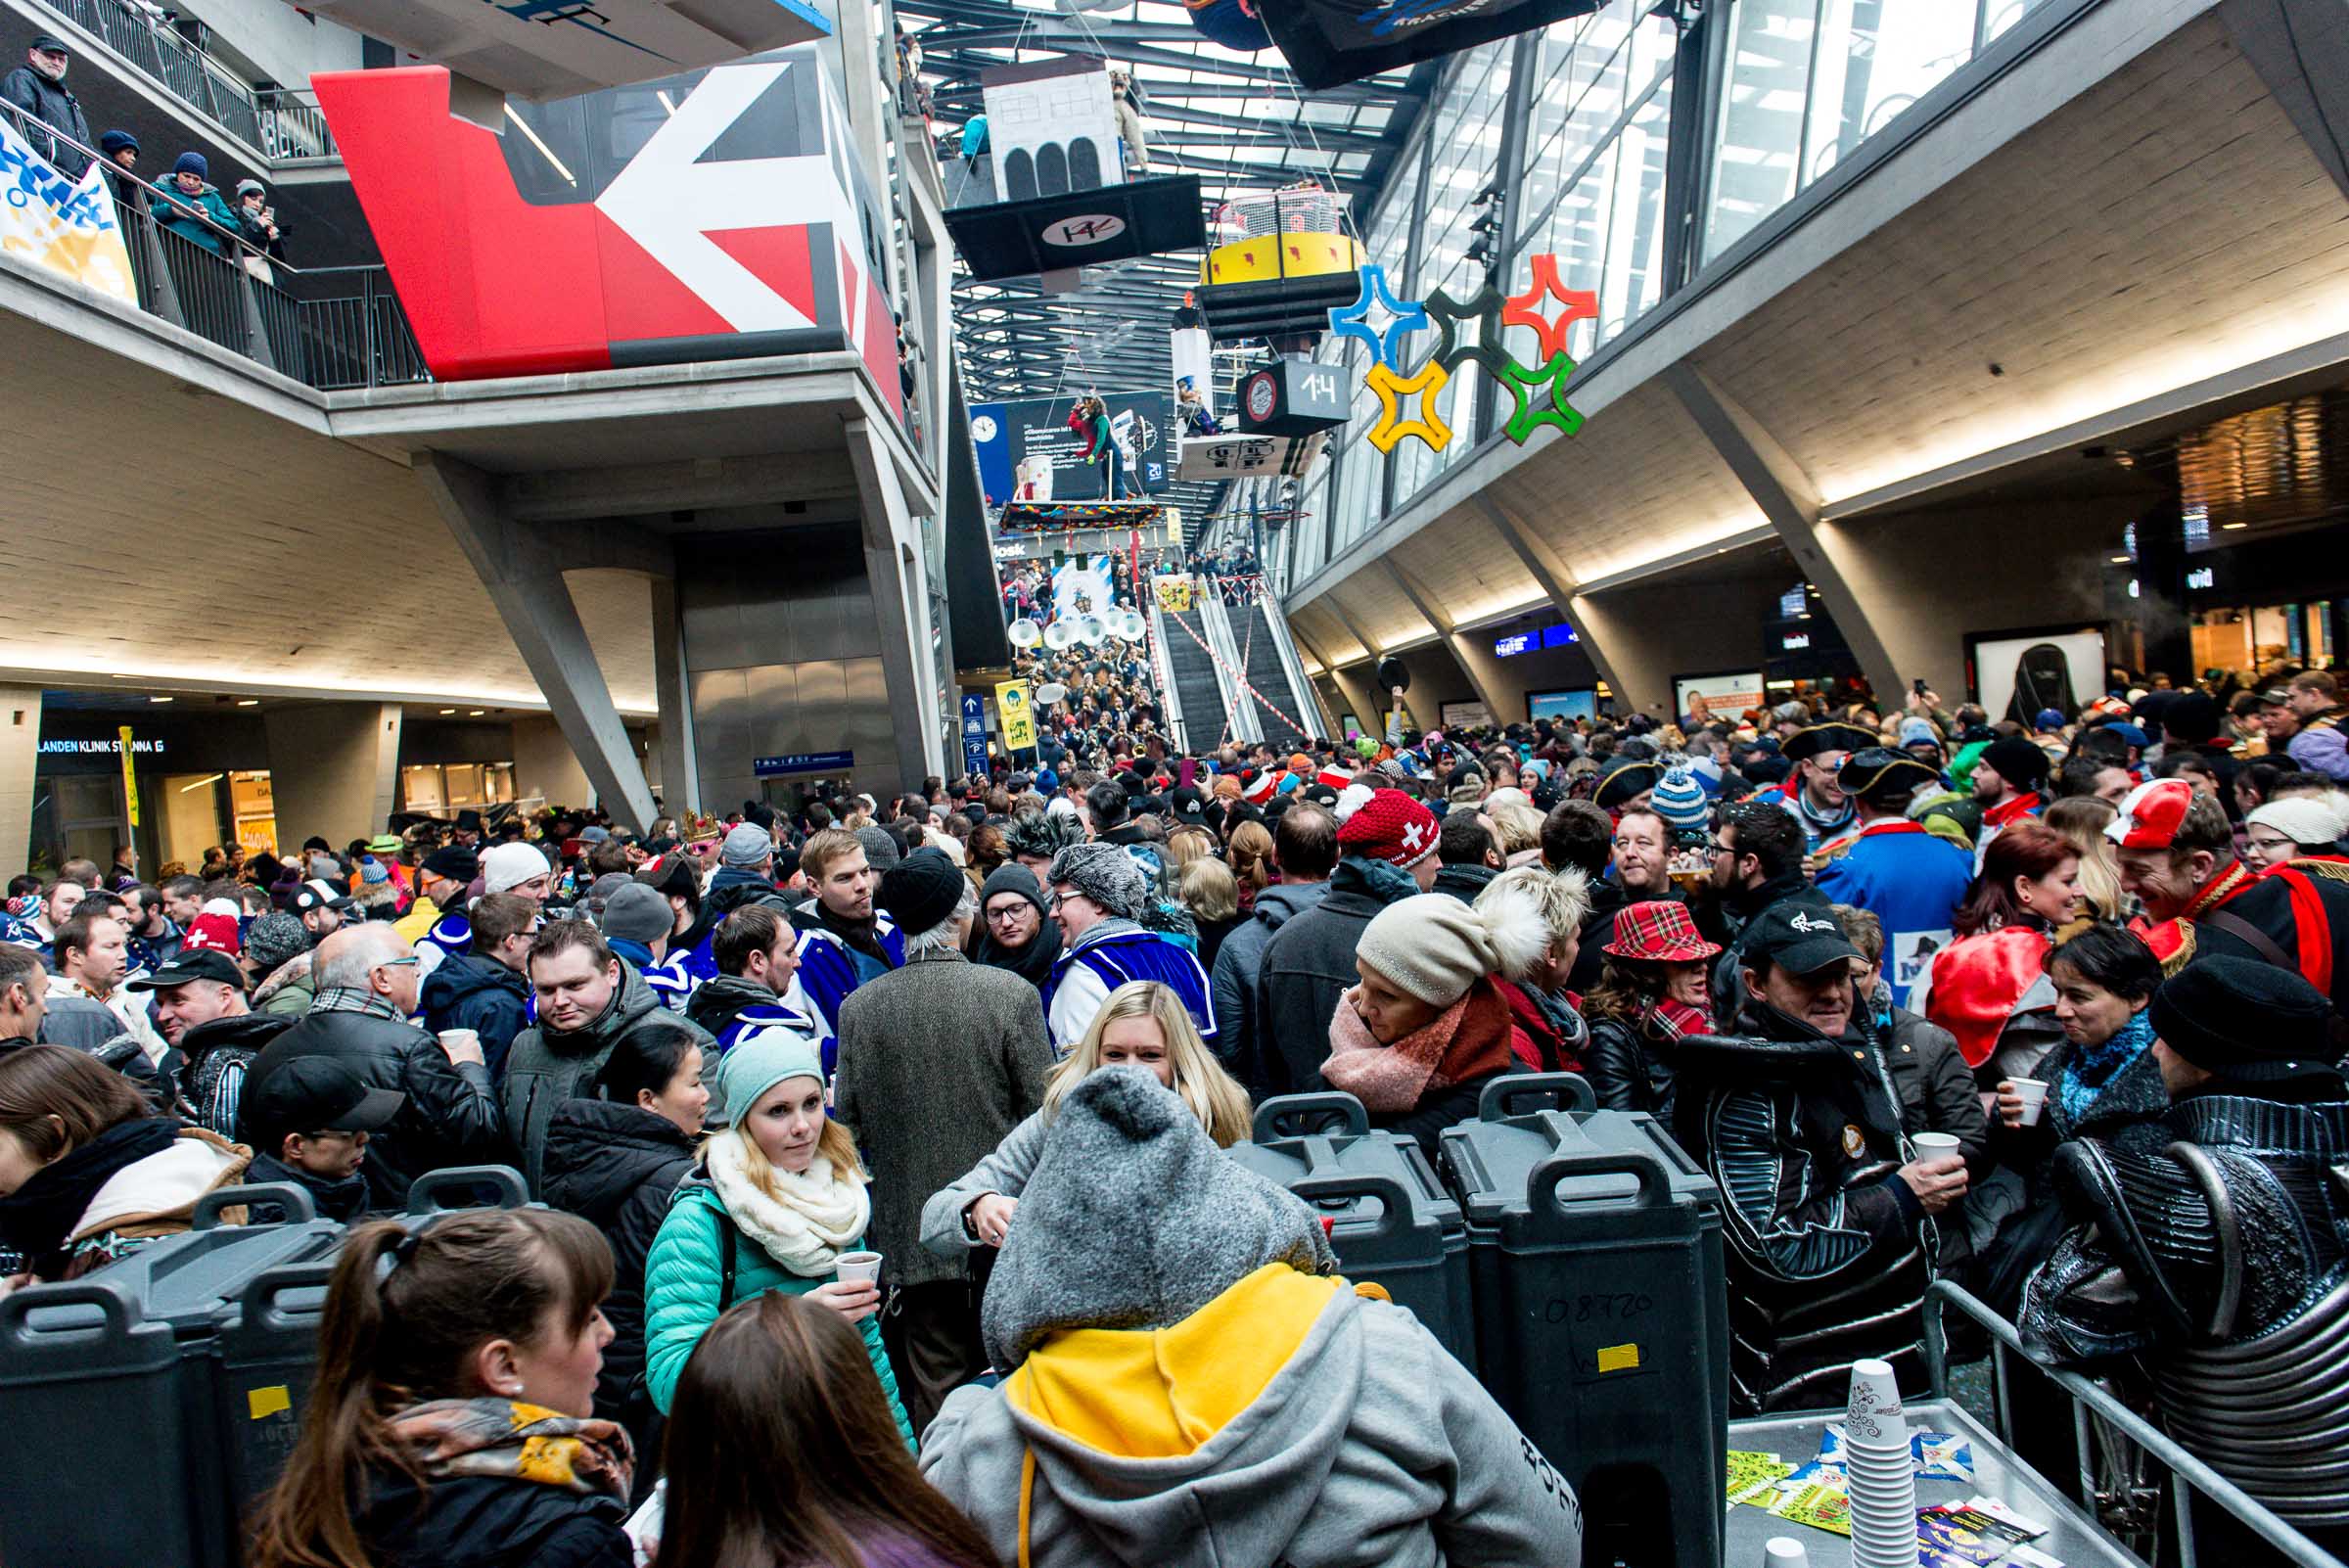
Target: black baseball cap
1798	936
316	1095
192	963
319	894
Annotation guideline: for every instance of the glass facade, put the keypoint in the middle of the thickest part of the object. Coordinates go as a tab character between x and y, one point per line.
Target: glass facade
1770	96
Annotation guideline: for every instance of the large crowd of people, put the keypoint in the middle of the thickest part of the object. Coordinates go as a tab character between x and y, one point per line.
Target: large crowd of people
1913	987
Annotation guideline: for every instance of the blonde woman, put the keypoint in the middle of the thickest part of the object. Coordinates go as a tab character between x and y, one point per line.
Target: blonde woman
778	1196
1185	844
1517	827
1143	1024
1252	866
2081	820
1208	890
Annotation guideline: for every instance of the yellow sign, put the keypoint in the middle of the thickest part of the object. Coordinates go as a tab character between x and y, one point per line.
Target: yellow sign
1015	715
130	785
1617	1358
1174	593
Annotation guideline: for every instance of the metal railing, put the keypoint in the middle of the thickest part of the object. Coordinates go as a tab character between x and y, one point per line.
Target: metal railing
282	123
2100	1423
332	328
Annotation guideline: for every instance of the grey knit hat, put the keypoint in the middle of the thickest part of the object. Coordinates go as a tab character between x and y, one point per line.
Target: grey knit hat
880	850
273	939
746	845
636	914
1135	1219
1104	873
599	893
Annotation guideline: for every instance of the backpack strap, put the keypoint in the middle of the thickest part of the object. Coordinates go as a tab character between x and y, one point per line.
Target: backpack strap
729	1241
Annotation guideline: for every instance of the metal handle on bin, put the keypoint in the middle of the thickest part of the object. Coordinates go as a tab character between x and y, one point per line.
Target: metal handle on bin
1269	1116
18	1306
1541	1188
277	1195
512	1193
1499	1093
263	1290
1395	1204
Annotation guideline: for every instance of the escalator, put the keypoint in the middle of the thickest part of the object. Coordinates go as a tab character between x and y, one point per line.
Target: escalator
1198	691
1277	707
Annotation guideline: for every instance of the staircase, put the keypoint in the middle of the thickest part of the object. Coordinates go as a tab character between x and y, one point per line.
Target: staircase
1198	687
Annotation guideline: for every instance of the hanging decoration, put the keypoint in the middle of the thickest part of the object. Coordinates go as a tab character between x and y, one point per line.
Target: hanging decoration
1492	312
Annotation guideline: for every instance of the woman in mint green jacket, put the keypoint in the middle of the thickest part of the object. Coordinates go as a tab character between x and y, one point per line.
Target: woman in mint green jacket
778	1197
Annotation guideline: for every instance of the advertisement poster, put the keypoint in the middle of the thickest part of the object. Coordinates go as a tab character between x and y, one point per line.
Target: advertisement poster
1464	716
1014	717
1729	695
1028	452
1562	706
2017	674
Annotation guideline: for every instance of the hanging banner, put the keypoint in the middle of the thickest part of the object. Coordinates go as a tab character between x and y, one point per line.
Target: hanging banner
1013	715
1174	593
62	224
1331	41
1029	452
130	783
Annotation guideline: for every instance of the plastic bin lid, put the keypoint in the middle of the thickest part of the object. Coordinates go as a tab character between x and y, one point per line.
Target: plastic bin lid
1351	1149
1500	1165
78	1331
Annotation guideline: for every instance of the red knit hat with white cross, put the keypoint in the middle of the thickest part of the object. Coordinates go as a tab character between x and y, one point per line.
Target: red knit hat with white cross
1391	826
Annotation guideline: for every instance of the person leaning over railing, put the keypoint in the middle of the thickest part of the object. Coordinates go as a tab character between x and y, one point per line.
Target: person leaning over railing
190	207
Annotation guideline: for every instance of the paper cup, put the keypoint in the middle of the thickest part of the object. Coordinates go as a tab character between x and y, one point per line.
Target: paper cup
2034	1095
1935	1145
1785	1551
458	1039
1873	1415
857	1267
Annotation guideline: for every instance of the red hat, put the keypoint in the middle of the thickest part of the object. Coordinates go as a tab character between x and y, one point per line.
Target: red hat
1393	827
1337	778
1658	930
215	933
2150	814
1259	786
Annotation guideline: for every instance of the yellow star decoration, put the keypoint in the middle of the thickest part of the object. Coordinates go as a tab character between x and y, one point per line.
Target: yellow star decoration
1390	388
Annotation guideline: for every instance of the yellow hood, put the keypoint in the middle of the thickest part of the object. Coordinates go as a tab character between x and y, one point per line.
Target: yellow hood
1162	1393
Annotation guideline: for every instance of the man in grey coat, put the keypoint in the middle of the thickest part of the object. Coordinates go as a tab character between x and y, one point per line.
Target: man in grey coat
939	1059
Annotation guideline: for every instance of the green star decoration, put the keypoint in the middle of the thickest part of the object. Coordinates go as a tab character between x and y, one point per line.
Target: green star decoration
1529	415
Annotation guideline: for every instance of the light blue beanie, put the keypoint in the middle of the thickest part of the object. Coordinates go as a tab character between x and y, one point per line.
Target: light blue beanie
758	1061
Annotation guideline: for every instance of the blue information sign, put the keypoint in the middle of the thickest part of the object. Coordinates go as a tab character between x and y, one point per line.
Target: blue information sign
974	732
802	763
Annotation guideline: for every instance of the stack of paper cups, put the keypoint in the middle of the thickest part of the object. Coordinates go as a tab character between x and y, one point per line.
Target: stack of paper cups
1882	1478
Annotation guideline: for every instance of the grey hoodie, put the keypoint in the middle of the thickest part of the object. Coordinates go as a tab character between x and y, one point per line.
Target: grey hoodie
1363	1442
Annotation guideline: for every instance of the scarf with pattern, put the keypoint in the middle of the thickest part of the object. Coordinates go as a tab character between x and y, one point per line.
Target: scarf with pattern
1470	1039
494	1437
2092	1067
804	1221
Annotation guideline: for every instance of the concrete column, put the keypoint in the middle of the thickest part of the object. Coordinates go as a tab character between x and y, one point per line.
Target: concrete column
333	769
897	592
1613	661
521	569
1639	663
20	751
545	765
1883	640
1478	663
680	771
1350	695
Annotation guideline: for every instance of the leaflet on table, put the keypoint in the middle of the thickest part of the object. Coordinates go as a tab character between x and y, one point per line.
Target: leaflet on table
1752	1475
1814	1496
1938	1456
1979	1532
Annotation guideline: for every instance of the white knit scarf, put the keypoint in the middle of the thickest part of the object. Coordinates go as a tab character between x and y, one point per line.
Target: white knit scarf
805	1222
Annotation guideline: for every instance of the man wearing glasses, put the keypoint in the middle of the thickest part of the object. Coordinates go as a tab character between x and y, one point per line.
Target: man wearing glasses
367	988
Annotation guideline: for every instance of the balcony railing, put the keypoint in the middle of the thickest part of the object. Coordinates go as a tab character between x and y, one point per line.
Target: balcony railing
332	328
282	123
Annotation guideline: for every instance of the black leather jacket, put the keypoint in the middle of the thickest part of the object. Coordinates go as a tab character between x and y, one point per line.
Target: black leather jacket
452	1115
1629	1070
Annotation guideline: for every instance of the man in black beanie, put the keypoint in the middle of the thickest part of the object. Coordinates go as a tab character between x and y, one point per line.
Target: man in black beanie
2006	779
939	1060
2223	1260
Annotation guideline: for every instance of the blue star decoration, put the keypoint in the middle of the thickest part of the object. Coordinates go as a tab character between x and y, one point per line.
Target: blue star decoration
1354	321
1530	417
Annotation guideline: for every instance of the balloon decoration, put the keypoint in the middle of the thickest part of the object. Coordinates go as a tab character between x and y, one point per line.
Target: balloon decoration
1233	24
1492	313
1026	633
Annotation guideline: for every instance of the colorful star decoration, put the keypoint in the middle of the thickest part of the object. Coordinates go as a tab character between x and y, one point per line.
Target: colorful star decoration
1354	321
1390	389
1519	311
1493	314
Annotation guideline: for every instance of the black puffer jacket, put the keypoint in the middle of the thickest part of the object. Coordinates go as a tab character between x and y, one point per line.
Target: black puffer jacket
616	1167
477	1521
452	1115
1309	963
548	1066
1825	1264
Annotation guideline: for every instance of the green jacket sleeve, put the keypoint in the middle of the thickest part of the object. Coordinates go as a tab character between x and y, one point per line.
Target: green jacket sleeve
681	1277
870	1328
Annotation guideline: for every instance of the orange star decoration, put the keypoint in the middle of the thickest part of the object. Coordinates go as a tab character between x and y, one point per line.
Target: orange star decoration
1519	311
1390	389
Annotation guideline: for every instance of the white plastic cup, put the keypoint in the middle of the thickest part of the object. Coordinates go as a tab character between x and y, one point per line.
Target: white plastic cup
1934	1145
2033	1093
1785	1551
1872	1414
459	1038
857	1269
